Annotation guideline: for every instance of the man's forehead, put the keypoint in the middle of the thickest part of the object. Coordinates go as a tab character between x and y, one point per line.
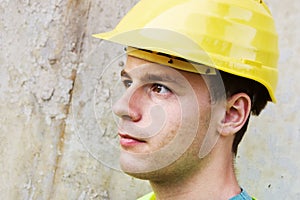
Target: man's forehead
133	62
146	70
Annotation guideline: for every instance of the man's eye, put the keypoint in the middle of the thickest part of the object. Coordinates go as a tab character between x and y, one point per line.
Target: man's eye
160	89
127	83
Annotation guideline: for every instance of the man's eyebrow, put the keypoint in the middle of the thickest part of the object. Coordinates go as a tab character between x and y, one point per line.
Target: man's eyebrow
153	77
159	78
124	74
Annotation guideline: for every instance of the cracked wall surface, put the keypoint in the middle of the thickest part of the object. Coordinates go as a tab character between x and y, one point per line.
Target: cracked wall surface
49	67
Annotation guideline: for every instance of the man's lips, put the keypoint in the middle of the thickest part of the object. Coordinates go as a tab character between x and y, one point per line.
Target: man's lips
127	140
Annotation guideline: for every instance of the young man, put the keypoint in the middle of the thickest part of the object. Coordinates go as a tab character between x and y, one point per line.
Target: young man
195	71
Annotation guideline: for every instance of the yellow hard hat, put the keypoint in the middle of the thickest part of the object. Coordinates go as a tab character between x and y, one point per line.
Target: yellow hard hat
239	36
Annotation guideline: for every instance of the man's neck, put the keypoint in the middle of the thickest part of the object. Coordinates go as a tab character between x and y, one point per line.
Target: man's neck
215	180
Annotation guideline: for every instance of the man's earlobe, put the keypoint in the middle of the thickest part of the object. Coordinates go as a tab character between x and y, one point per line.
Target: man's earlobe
238	108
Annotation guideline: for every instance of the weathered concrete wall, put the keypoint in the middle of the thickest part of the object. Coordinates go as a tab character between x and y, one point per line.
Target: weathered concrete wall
49	66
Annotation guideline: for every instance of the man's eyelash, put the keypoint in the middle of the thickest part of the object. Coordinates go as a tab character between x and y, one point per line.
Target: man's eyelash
159	87
127	83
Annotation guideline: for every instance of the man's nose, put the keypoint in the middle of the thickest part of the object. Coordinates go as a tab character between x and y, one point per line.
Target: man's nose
128	107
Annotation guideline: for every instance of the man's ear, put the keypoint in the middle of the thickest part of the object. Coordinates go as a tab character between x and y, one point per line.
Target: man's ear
238	108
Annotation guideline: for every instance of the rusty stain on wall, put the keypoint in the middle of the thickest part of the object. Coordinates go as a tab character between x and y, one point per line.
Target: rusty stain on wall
61	140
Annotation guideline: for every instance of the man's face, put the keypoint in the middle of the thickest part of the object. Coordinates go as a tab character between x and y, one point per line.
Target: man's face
164	116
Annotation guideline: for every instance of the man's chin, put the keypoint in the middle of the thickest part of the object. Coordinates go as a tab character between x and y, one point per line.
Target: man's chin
144	169
141	166
142	176
134	164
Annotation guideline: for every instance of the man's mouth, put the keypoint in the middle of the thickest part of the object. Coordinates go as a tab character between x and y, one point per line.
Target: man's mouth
129	141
